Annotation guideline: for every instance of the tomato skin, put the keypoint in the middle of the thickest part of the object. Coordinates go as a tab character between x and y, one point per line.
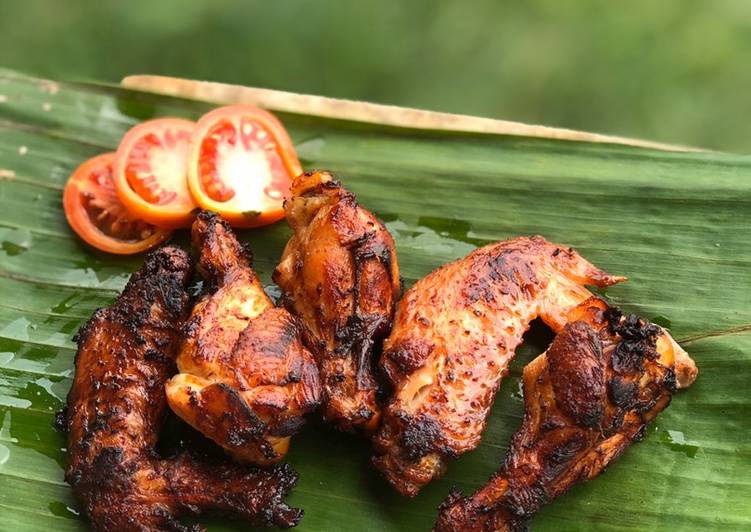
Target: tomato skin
92	181
226	126
162	197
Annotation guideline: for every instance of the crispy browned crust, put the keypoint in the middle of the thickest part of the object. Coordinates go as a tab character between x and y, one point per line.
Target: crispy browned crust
587	398
454	334
339	275
245	380
116	408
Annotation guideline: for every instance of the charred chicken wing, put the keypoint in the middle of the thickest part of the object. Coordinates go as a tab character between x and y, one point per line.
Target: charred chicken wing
454	334
245	380
339	275
603	379
116	407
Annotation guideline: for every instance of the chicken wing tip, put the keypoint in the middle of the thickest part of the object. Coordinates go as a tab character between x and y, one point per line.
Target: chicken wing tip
217	246
686	370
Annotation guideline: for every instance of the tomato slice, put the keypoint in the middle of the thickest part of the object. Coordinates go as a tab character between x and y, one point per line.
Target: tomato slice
241	164
150	172
97	215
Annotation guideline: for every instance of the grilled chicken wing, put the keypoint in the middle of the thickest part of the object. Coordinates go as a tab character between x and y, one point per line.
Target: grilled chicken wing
340	276
116	407
245	380
603	379
454	334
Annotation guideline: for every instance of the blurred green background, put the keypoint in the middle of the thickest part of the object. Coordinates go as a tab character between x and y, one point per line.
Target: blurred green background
671	70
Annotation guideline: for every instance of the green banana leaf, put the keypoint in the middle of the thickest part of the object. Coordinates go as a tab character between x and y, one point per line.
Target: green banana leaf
678	224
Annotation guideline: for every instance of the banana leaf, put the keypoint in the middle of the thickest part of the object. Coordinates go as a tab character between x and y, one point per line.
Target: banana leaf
678	224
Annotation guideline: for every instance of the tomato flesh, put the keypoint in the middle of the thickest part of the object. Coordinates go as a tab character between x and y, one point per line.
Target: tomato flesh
241	157
97	215
104	208
241	165
151	171
166	155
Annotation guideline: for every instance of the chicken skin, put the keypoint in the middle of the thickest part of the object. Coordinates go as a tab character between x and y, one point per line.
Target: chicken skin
454	334
116	408
339	275
600	383
245	380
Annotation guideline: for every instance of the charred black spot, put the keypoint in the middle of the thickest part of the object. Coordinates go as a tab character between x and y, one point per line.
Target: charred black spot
267	450
161	342
239	437
454	513
551	424
358	339
640	433
613	316
85	329
670	380
322	187
256	338
478	289
241	424
211	217
455	497
421	435
294	376
173	294
74	477
335	378
622	393
561	456
638	341
506	272
364	413
524	500
153	355
372	245
106	469
192	326
617	422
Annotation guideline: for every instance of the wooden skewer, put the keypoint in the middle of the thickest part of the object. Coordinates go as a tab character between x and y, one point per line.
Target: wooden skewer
372	113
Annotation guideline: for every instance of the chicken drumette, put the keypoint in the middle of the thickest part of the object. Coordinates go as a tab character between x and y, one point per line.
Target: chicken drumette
454	334
339	274
245	380
603	379
116	408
